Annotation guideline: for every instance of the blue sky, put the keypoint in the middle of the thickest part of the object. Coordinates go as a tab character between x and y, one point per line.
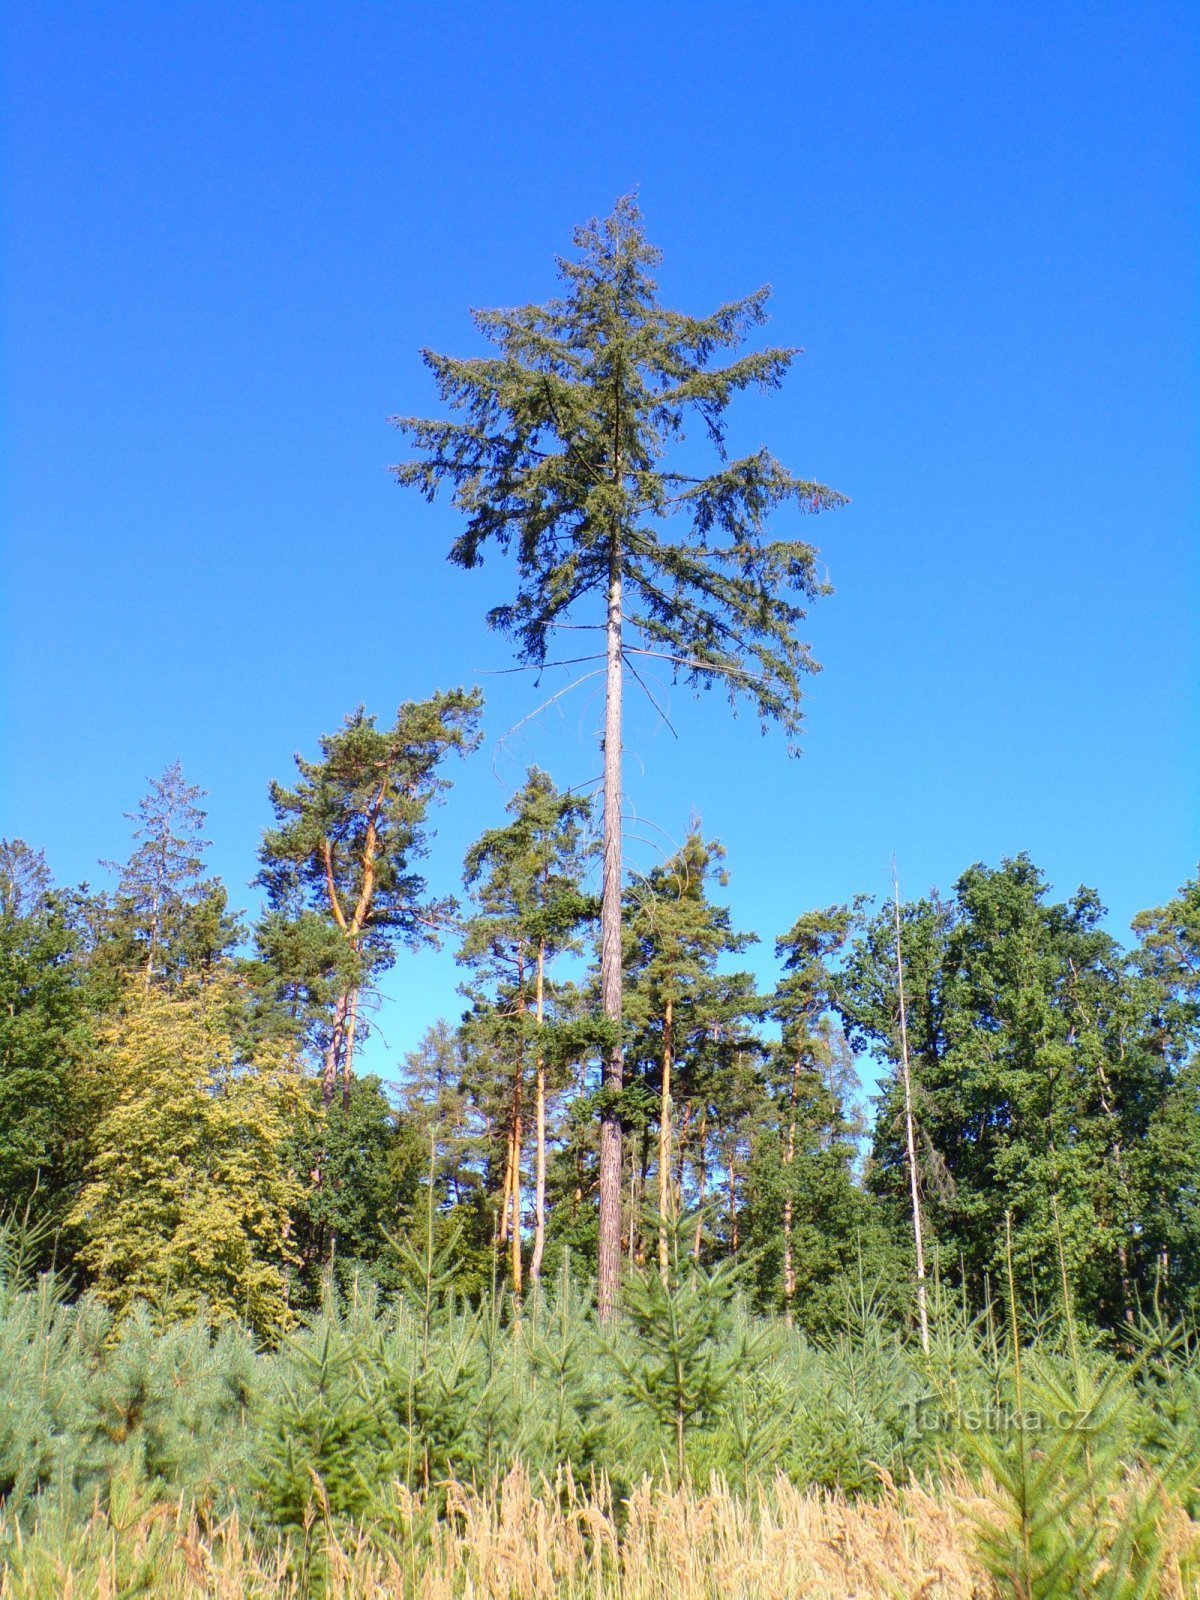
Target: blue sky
230	229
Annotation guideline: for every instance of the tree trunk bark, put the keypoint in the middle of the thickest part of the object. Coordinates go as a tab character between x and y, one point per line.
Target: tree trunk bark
733	1210
664	1142
333	1050
609	1273
348	1053
515	1237
502	1229
701	1181
789	1157
681	1148
910	1136
539	1178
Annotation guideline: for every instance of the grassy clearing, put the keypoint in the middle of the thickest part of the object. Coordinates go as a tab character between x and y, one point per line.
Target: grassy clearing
424	1448
521	1542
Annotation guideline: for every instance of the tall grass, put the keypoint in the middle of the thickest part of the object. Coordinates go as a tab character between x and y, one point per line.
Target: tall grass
432	1448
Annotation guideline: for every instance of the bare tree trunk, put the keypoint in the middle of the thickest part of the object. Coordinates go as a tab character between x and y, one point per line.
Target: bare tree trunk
910	1132
681	1147
515	1238
701	1181
539	1179
638	1255
733	1211
610	958
333	1050
664	1142
348	1053
789	1157
502	1231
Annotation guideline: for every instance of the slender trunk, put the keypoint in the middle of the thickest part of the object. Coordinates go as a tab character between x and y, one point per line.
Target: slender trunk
639	1256
789	1157
910	1132
609	1274
701	1181
348	1053
733	1211
502	1230
633	1216
333	1050
515	1237
681	1148
539	1179
155	921
664	1142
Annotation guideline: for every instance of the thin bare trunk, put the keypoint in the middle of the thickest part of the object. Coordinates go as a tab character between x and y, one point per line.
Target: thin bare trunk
539	1198
515	1236
348	1053
333	1050
910	1130
609	1274
664	1142
681	1149
733	1210
789	1157
701	1181
346	1017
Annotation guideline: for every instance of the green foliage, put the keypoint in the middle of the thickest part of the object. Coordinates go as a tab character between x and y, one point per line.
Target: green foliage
45	1030
166	919
559	457
1053	1080
339	870
359	1163
354	825
309	1438
188	1197
685	1360
320	1439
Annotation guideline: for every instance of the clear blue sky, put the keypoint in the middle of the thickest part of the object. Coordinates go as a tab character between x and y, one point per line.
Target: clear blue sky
231	227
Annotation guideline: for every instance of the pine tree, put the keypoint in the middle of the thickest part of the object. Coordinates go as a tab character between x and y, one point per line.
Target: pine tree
447	1099
349	834
676	1003
526	879
685	1359
560	458
166	917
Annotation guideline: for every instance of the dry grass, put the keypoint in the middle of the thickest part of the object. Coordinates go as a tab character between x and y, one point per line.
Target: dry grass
557	1543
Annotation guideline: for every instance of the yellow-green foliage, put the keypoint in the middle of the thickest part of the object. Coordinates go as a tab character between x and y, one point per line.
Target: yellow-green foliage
188	1194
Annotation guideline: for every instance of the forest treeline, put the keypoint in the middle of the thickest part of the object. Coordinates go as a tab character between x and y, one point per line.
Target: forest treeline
183	1124
183	1118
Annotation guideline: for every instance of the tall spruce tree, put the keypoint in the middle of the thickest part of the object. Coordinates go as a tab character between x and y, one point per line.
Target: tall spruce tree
559	456
348	836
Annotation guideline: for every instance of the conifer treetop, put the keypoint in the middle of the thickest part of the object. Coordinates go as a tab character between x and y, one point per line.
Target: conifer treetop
558	453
